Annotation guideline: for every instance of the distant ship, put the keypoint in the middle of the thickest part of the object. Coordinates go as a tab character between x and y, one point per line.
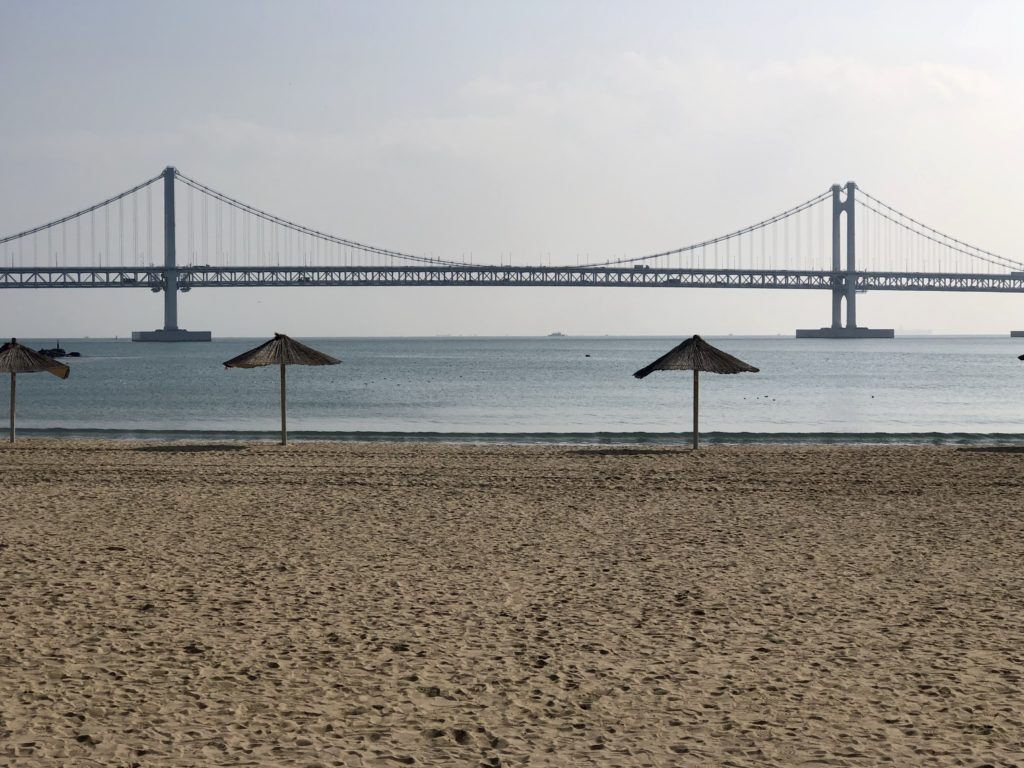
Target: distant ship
556	333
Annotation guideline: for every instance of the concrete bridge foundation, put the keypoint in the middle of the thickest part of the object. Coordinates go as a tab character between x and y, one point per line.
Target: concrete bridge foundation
171	334
845	333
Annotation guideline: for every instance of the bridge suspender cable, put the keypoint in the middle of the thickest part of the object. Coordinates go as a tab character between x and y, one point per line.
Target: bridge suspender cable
272	219
929	233
723	238
915	239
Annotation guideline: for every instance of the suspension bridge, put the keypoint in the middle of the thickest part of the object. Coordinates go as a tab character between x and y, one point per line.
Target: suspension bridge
843	240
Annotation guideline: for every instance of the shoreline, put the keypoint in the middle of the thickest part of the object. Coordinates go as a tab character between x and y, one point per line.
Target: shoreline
381	604
668	439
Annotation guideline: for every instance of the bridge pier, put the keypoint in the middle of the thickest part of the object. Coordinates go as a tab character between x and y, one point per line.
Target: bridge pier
844	281
170	331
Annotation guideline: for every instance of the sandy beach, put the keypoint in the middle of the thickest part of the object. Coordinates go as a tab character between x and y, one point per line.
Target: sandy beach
463	605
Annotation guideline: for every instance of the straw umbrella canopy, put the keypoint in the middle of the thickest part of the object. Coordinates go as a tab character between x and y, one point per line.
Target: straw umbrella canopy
696	355
15	359
281	351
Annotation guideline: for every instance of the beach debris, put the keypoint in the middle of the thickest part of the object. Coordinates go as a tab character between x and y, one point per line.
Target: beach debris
281	351
15	359
696	355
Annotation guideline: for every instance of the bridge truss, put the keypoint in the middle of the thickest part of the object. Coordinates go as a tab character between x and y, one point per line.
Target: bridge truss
594	277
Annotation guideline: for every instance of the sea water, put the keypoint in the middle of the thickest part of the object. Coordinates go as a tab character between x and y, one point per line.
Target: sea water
550	389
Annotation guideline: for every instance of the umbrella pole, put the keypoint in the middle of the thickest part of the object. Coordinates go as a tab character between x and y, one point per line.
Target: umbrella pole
284	424
14	388
696	400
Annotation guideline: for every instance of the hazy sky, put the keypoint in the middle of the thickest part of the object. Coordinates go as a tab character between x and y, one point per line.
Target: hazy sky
515	130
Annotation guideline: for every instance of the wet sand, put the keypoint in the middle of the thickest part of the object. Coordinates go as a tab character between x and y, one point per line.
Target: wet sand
389	605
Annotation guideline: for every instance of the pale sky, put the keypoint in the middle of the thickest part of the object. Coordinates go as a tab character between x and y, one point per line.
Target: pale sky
560	130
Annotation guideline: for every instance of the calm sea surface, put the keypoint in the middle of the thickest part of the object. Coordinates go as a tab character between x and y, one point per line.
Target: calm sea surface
564	389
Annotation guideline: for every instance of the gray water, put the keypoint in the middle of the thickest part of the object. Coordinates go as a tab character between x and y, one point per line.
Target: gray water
561	389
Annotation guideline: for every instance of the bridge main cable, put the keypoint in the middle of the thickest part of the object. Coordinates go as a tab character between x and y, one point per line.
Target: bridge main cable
722	238
894	216
269	217
82	212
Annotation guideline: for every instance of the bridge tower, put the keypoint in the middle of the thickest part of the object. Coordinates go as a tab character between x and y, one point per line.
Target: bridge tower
844	282
170	331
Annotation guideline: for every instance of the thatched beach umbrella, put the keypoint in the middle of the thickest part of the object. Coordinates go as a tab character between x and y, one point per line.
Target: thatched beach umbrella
696	355
15	359
281	350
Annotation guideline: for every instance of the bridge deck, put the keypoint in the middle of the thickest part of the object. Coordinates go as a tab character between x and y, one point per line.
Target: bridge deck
227	277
